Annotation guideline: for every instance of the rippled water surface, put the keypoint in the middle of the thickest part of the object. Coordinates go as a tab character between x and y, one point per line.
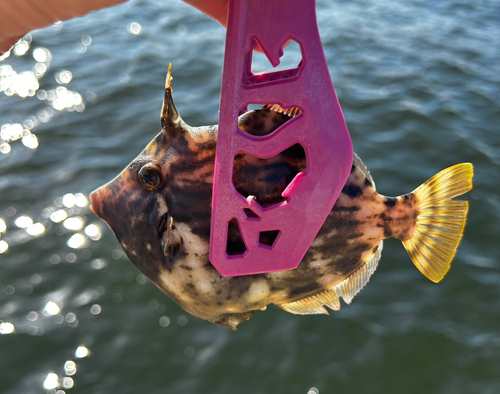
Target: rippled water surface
419	83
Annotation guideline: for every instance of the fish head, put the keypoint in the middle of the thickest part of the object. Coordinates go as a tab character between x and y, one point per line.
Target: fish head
133	205
141	204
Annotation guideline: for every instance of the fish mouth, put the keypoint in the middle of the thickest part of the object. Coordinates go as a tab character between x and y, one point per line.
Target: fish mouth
96	203
164	225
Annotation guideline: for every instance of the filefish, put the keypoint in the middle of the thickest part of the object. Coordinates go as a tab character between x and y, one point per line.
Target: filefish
159	208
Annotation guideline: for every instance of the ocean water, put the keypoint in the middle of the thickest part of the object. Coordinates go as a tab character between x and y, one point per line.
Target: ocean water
419	84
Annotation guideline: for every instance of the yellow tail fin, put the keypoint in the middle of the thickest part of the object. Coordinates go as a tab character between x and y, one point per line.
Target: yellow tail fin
441	221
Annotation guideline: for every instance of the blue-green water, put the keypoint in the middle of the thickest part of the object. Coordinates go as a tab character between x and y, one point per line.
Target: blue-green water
419	83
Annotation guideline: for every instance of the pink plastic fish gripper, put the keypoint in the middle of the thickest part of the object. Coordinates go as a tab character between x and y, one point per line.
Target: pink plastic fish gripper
320	129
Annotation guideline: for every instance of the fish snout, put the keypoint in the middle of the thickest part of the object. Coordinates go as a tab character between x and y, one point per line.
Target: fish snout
96	199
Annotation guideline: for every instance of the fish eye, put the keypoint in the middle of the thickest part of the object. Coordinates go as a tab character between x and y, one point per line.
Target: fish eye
150	176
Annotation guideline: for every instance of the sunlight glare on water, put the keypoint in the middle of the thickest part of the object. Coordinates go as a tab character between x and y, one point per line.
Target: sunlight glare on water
93	232
95	309
27	84
3	246
51	309
32	316
81	352
6	328
51	381
68	382
135	28
73	223
36	229
64	77
23	221
58	216
70	368
76	241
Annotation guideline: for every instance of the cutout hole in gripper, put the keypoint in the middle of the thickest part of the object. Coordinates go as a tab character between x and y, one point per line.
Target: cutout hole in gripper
267	179
268	238
260	69
251	215
264	119
235	244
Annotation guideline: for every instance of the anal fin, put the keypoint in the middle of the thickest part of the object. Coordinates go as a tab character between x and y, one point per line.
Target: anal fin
346	289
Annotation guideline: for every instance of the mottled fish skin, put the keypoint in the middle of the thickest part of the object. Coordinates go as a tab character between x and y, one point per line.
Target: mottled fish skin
178	262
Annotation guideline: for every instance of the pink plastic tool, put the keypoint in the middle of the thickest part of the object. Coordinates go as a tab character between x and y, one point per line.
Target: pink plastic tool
320	129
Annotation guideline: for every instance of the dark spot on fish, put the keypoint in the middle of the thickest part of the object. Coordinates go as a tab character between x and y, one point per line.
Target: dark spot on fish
203	232
190	288
185	267
307	289
344	222
219	291
367	183
390	202
387	231
404	234
354	235
182	141
353	168
179	217
347	209
280	119
352	190
177	254
244	290
349	263
258	126
415	215
409	200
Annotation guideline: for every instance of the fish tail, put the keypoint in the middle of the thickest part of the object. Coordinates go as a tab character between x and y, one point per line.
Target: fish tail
440	222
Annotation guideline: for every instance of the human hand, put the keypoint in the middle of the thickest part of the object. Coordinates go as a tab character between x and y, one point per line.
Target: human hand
18	18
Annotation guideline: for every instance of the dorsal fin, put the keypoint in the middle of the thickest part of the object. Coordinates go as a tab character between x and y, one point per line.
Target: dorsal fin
362	167
291	112
170	118
346	289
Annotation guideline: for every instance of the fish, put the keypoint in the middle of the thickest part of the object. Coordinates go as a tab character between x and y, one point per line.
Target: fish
159	208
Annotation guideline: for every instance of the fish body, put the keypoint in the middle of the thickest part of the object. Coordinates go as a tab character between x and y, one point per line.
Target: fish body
159	208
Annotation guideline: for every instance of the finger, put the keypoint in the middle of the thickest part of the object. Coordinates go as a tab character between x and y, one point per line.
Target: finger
215	9
18	18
